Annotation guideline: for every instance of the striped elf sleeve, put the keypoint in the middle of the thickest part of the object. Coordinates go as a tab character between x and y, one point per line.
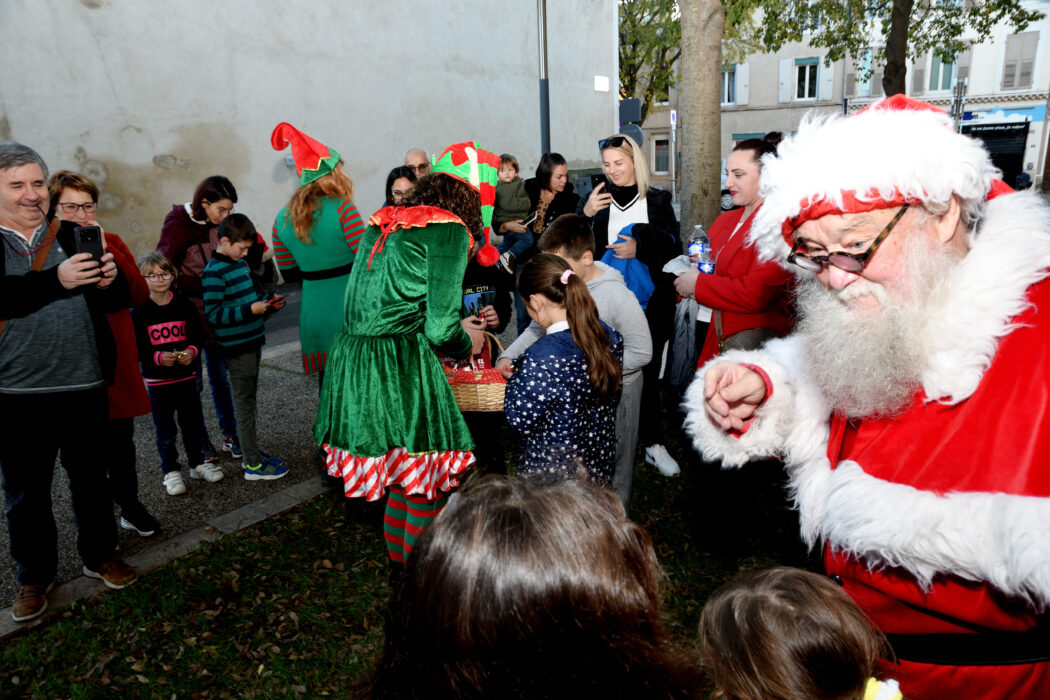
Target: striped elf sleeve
280	252
352	224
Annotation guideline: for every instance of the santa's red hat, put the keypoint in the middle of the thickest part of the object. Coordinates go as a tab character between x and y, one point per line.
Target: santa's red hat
895	151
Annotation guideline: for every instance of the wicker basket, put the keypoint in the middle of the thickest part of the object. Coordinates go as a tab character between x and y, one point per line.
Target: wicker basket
478	389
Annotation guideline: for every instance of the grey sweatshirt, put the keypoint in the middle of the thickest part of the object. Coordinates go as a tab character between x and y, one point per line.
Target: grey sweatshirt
619	308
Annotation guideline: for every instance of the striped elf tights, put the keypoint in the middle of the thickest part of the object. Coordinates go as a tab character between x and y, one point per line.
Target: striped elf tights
405	519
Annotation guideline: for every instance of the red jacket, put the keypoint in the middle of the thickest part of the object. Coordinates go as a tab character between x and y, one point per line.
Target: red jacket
749	293
127	394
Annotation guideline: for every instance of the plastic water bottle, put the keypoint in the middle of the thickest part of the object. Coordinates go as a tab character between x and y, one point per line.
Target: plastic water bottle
700	252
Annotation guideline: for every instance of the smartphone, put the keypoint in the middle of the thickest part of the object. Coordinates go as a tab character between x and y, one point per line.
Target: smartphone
88	239
527	221
597	179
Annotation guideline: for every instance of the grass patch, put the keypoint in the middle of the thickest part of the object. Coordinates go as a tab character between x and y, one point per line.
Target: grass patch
294	605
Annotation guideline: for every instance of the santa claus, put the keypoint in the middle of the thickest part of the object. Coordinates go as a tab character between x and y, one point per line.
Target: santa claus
912	404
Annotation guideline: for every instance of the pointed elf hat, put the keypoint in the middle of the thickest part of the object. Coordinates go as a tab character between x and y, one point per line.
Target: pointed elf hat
894	151
313	159
477	167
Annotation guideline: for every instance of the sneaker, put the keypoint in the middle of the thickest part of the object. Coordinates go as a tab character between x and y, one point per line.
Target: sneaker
140	521
174	484
231	444
265	472
115	573
210	455
209	472
271	460
30	601
507	261
658	456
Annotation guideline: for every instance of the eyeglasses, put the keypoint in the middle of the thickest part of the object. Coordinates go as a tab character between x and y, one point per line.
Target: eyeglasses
843	261
219	210
71	207
154	276
611	142
421	168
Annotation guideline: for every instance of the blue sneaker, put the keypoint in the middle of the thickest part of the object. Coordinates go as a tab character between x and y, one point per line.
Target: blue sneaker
265	472
272	460
231	444
210	456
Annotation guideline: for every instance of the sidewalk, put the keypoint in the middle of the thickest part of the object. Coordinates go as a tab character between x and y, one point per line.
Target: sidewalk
287	403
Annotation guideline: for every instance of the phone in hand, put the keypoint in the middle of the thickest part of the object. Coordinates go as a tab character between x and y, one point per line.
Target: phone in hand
88	239
527	221
598	179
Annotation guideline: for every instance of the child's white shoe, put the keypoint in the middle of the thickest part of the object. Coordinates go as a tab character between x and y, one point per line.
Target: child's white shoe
658	456
173	484
209	472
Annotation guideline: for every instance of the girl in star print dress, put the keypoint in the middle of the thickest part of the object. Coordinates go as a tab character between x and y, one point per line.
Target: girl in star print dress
564	389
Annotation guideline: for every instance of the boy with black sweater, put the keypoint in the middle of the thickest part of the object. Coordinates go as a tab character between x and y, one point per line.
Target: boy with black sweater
235	311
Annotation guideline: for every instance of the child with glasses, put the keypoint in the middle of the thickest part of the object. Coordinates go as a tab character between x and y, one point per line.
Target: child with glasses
169	337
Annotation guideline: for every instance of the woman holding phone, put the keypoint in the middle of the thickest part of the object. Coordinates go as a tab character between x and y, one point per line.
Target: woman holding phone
625	199
74	198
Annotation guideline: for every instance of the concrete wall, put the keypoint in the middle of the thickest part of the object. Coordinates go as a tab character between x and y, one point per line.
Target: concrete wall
148	98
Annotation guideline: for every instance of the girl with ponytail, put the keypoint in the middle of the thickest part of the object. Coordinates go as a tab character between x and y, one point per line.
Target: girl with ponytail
565	388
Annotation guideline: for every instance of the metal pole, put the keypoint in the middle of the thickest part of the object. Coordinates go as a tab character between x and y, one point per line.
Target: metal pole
545	108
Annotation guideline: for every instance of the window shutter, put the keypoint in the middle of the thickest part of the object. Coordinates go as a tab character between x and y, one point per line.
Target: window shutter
851	84
826	76
876	83
786	72
962	65
918	76
742	80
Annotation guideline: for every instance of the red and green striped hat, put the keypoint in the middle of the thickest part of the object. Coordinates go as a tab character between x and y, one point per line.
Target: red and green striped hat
479	168
313	159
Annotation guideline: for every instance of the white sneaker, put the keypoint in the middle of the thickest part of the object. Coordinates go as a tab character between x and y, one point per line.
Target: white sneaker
209	472
658	456
174	484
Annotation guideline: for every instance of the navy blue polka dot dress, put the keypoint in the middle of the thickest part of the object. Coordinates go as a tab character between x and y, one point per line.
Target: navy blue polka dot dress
566	431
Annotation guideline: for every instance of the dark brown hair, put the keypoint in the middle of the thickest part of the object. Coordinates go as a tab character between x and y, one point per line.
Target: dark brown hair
450	194
523	588
545	169
74	181
508	159
569	233
783	634
542	275
760	147
401	171
237	228
212	189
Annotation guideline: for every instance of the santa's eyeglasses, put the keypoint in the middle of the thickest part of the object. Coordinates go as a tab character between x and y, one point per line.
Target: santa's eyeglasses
849	262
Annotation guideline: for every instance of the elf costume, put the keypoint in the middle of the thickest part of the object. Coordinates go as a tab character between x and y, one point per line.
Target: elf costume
326	260
387	417
936	520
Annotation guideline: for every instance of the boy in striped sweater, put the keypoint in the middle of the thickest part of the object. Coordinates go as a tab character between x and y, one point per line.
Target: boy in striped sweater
235	311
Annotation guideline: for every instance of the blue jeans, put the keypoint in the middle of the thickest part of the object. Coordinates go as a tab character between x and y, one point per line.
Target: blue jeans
220	391
167	401
516	243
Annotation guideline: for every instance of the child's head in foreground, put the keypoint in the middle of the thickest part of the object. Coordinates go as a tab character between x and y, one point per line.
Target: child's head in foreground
508	168
524	588
783	634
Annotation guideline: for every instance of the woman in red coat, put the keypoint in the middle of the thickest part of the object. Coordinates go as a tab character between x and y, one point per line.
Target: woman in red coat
746	293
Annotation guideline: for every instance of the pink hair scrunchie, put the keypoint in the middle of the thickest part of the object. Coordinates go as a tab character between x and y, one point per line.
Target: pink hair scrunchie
565	276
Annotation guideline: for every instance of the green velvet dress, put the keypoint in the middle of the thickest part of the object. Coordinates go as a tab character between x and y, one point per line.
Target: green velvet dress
387	415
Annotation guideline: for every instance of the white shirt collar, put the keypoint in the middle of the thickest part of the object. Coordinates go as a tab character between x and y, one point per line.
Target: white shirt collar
557	327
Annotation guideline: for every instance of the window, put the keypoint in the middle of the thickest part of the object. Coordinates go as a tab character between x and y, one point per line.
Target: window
806	78
1019	60
859	86
729	85
661	156
941	74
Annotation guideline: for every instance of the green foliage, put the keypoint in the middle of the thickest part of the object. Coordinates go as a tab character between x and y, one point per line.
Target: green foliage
850	28
650	44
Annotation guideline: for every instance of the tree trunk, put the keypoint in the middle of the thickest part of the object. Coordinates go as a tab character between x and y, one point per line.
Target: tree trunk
700	113
893	80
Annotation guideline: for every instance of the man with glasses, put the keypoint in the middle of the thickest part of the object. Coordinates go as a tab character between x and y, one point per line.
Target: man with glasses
416	158
912	404
57	355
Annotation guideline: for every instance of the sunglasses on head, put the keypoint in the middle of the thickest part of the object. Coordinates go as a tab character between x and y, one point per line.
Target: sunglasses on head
612	142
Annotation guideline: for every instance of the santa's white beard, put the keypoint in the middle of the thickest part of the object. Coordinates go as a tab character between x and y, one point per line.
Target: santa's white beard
869	363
